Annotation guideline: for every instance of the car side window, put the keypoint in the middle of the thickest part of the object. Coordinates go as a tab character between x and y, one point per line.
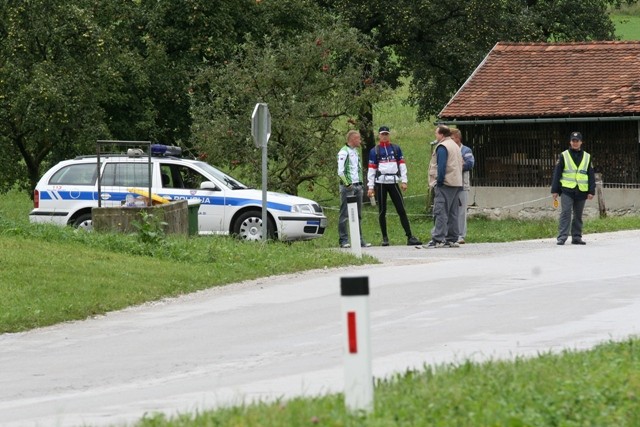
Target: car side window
166	177
191	178
126	175
81	174
180	176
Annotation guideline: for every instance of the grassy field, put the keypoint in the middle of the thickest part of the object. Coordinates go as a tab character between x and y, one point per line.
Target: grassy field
627	22
627	26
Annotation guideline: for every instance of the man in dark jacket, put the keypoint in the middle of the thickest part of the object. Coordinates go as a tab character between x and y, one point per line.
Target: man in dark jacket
574	180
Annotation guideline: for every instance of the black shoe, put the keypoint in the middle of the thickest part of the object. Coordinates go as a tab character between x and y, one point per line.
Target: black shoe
560	242
385	241
345	245
365	245
578	242
413	241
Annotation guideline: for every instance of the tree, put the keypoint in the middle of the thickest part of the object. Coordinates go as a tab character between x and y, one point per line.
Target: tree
313	84
439	44
472	28
49	55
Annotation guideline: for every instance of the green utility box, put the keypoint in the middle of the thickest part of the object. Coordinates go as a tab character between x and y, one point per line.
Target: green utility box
193	208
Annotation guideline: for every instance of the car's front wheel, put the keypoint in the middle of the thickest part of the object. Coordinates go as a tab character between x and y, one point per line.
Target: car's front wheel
248	226
83	222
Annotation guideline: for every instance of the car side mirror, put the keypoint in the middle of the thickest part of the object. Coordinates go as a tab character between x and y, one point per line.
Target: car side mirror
208	185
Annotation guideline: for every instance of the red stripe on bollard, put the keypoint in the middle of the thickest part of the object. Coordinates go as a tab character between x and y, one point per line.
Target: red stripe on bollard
351	326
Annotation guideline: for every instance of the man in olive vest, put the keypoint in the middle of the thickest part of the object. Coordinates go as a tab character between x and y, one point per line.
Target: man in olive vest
575	182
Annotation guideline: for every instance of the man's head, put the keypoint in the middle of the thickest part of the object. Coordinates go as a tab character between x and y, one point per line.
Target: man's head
384	132
442	132
353	139
456	135
575	140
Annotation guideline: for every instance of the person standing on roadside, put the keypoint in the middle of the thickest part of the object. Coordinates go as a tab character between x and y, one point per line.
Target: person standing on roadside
387	174
574	181
350	174
445	179
468	162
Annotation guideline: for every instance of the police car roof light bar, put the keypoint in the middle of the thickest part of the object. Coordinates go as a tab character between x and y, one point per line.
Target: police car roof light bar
165	150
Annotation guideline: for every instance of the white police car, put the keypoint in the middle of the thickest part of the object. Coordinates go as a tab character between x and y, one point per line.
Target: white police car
66	194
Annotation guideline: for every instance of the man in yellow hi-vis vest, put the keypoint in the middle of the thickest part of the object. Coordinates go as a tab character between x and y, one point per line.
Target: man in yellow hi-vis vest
575	182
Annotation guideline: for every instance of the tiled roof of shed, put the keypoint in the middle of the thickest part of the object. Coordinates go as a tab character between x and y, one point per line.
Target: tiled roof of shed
532	80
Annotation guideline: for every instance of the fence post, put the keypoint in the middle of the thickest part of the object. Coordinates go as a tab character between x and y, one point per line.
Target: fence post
354	225
601	206
358	377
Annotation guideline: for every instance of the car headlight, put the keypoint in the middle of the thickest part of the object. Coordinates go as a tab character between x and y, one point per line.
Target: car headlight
305	209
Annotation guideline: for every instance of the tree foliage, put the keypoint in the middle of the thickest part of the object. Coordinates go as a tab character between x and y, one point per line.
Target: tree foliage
439	44
189	72
313	84
49	53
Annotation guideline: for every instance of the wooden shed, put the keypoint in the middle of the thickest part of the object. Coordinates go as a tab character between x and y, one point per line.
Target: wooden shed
519	106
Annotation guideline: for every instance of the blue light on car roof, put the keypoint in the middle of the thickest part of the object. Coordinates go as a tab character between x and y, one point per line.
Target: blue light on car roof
165	150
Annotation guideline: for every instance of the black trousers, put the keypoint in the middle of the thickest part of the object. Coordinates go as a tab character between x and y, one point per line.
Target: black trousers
392	190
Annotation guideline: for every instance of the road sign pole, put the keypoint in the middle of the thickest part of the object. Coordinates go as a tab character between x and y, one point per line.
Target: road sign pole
264	193
261	132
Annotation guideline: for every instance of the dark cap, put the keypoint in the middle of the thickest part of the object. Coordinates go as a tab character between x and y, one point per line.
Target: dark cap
383	129
576	135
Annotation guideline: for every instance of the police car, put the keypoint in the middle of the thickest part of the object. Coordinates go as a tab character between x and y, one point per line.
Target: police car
66	194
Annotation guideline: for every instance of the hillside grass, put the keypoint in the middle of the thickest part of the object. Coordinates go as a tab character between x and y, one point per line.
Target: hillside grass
627	26
627	21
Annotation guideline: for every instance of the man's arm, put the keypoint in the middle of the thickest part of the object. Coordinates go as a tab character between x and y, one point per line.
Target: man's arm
557	174
468	159
342	159
442	155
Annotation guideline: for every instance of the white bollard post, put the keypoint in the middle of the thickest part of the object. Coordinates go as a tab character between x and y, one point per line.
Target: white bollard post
354	226
358	379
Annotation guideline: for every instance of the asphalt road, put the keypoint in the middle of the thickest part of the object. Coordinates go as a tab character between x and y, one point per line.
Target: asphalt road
282	336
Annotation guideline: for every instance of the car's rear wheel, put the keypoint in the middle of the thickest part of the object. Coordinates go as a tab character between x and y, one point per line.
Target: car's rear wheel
83	222
248	226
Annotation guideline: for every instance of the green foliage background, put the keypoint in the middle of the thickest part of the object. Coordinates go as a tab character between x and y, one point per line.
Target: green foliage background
74	71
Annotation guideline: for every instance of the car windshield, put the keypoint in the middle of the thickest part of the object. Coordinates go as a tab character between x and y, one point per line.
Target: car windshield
231	182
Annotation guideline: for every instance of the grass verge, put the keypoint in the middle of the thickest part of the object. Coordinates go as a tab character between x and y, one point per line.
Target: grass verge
599	387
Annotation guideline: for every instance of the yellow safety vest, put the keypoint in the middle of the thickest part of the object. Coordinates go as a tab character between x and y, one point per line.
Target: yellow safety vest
573	175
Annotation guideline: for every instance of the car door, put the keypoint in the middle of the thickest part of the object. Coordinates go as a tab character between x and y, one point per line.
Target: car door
183	182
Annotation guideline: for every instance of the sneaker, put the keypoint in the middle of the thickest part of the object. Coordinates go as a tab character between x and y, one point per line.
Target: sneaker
461	241
345	245
560	242
385	241
365	245
433	244
451	245
413	241
578	242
